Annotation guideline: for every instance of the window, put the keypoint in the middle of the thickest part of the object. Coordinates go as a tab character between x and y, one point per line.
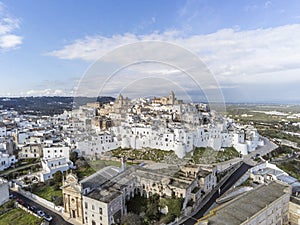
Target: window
100	211
93	207
86	205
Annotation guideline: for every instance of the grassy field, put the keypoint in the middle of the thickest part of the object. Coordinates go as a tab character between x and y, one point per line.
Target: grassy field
208	155
291	167
86	171
46	191
99	164
7	205
19	217
156	155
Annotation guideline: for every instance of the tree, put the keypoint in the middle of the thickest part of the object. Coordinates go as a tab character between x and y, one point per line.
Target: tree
57	200
74	156
57	177
81	163
130	219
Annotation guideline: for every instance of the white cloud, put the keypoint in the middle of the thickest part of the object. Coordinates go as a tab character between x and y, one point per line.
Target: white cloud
239	59
268	4
44	92
231	54
10	41
8	26
91	48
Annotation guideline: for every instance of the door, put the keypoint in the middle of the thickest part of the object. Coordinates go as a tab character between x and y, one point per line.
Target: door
73	214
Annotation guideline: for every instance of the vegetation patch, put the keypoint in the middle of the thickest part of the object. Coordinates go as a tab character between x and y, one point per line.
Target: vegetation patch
49	190
209	155
146	211
281	151
7	206
156	155
291	167
20	217
99	164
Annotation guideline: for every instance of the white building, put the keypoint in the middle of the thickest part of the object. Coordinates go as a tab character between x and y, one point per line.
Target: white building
55	158
2	131
247	140
167	124
6	161
4	191
30	151
56	151
267	204
51	166
95	145
182	140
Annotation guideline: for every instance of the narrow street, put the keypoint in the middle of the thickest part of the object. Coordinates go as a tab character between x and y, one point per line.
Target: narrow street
228	184
57	219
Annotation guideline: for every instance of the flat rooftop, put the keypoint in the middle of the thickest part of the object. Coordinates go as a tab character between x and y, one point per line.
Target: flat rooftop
247	205
106	195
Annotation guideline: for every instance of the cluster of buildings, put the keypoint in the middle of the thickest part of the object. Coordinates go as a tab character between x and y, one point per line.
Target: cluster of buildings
161	123
274	200
164	123
267	204
34	137
101	198
7	145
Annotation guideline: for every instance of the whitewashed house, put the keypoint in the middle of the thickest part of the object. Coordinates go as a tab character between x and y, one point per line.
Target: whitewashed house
6	161
4	191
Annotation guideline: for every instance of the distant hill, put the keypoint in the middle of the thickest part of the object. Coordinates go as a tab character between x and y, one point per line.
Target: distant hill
48	105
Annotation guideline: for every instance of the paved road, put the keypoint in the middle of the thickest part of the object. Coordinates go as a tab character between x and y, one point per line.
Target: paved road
230	181
265	149
57	219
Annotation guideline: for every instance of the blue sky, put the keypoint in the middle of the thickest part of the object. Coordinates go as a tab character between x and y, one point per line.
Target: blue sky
251	47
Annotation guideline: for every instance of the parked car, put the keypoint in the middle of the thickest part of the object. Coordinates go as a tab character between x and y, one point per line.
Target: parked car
33	209
48	218
20	201
11	196
40	213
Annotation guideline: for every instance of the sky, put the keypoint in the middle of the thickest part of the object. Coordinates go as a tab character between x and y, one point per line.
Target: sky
251	48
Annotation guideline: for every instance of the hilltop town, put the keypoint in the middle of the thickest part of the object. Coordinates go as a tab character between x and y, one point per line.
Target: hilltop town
106	163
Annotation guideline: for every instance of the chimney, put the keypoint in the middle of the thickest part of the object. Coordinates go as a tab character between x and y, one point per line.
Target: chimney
123	163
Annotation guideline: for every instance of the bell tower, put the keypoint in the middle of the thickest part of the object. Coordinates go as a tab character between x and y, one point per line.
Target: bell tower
172	98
